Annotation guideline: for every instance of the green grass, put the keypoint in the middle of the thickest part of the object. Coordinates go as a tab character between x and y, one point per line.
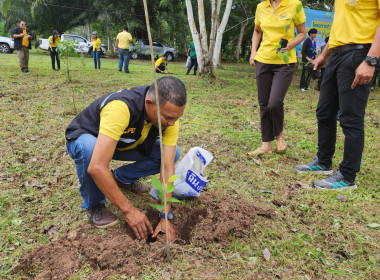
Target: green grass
312	235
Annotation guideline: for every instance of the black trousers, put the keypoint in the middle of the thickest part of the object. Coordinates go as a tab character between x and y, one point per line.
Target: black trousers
273	81
55	56
305	78
336	94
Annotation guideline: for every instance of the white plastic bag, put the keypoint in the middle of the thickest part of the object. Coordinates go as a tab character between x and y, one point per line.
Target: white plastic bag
190	180
188	62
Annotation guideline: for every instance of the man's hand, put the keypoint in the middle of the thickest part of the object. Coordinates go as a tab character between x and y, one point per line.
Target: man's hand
363	74
319	62
138	222
161	228
252	59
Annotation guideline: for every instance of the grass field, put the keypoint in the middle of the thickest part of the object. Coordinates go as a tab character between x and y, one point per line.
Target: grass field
313	235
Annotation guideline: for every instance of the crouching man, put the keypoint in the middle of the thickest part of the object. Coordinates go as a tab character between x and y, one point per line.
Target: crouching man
123	126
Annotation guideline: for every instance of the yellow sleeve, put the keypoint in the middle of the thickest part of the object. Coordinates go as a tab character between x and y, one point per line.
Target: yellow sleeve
158	62
114	119
300	17
50	40
257	20
170	136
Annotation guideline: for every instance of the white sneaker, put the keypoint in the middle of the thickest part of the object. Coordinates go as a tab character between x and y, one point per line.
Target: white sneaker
302	89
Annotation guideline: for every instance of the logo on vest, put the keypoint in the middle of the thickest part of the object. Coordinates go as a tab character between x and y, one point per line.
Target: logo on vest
130	130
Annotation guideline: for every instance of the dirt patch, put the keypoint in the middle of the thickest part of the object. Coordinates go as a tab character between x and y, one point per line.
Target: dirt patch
116	250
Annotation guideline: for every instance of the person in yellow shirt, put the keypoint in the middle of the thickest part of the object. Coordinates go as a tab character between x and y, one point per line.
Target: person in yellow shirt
161	65
22	44
123	126
350	56
275	65
53	42
96	49
123	40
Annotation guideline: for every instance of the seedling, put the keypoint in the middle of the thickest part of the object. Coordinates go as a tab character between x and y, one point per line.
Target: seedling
164	191
65	50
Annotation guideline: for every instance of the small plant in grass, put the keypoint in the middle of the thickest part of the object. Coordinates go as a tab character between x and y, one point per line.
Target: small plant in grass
169	189
72	100
65	50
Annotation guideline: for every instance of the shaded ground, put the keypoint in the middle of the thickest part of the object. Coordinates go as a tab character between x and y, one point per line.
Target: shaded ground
117	251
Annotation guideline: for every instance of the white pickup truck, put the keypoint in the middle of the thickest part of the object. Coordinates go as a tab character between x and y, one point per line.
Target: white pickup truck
82	45
6	45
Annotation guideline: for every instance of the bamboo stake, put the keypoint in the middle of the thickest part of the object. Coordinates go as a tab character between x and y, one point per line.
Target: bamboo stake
160	131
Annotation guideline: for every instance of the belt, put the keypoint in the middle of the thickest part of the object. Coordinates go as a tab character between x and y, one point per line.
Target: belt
349	47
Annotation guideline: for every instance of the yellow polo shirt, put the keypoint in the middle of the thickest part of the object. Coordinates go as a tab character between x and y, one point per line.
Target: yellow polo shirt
25	41
114	118
351	18
277	24
159	62
57	40
96	45
124	38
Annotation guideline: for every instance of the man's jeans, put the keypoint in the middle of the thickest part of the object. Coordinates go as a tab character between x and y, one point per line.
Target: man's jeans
124	57
336	94
80	150
96	55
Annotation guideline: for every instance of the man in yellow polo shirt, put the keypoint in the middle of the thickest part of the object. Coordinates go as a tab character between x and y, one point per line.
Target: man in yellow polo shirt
352	54
22	44
161	65
123	126
123	40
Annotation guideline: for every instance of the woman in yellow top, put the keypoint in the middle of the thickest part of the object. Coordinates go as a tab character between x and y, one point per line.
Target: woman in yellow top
53	42
96	50
275	65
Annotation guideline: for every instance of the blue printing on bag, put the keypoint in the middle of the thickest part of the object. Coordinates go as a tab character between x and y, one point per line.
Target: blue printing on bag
201	157
193	180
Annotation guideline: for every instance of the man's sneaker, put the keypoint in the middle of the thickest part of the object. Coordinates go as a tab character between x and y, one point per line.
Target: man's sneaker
302	89
336	182
135	187
314	167
101	217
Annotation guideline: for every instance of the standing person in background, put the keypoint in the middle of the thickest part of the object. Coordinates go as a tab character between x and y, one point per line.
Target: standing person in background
53	42
123	40
22	44
309	50
161	65
193	57
277	20
323	68
352	55
96	49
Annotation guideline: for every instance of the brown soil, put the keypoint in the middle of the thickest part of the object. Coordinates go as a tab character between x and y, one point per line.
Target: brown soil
116	250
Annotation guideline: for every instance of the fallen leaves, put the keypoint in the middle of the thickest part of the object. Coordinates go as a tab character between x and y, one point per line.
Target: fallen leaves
266	254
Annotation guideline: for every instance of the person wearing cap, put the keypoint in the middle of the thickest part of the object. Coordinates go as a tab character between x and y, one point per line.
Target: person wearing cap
123	40
22	43
161	65
276	21
309	51
350	56
123	126
96	49
53	40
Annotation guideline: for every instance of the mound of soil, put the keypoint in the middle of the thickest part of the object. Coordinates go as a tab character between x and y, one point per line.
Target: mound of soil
116	250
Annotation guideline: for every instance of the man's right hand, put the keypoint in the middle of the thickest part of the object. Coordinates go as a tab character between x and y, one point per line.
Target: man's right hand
138	222
252	59
319	62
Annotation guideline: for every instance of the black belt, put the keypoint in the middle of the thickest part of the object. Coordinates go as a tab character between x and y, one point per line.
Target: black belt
349	47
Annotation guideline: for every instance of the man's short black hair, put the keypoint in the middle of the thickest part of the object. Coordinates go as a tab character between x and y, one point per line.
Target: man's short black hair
170	89
126	28
165	54
312	31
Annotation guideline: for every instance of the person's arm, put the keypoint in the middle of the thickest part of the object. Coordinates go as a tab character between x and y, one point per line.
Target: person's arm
99	171
301	34
364	73
14	35
188	52
30	35
255	43
167	69
168	156
131	41
116	44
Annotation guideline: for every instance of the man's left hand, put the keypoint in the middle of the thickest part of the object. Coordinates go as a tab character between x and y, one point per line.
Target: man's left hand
161	228
363	74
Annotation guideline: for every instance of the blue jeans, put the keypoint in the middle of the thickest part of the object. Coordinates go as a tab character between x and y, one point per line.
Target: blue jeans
96	55
124	57
80	150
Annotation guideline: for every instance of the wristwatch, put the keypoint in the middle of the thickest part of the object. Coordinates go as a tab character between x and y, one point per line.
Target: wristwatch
372	60
170	215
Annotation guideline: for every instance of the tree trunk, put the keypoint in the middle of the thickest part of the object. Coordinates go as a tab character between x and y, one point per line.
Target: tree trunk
241	35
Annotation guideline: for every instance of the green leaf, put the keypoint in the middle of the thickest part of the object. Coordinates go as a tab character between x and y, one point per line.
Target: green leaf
158	207
173	178
374	226
170	188
286	59
123	276
280	55
335	271
299	8
288	53
277	46
157	184
287	27
172	199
